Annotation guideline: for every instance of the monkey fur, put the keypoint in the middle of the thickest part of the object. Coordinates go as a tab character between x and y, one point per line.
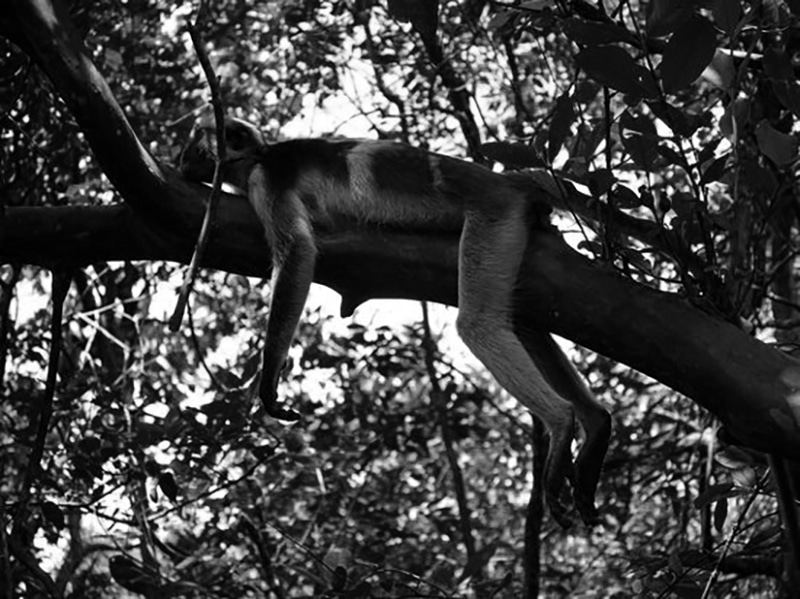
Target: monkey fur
297	185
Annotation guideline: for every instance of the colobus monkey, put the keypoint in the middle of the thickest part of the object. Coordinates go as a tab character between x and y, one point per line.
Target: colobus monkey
295	185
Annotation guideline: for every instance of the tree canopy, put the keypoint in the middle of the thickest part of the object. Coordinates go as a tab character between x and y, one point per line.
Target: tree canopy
663	134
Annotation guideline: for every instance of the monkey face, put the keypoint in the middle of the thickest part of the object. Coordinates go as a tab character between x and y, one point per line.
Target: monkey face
199	156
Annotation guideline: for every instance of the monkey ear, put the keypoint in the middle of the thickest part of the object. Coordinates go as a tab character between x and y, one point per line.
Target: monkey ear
241	136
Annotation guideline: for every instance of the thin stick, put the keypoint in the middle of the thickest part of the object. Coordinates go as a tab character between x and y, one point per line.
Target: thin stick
216	187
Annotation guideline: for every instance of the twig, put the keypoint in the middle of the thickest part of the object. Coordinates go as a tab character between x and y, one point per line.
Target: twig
712	579
216	187
534	514
440	404
61	285
787	508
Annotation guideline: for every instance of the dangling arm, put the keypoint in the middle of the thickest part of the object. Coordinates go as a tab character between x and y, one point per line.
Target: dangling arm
287	228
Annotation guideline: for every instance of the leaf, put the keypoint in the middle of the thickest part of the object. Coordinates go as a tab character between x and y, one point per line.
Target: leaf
721	72
643	144
589	136
640	124
758	178
778	65
735	117
671	155
113	59
726	14
778	68
665	16
168	486
720	513
674	563
501	19
89	445
615	68
131	575
779	147
563	117
593	33
688	53
745	477
681	122
263	452
625	197
715	170
637	259
600	181
53	514
422	14
714	493
593	246
684	204
767	537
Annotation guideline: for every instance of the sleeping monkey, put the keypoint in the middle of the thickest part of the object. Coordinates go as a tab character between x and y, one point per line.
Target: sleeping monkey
296	185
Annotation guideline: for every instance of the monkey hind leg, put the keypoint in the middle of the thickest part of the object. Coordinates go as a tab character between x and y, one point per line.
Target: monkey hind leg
595	421
498	348
490	255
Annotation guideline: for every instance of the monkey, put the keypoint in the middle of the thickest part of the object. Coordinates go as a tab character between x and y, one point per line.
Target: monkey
297	186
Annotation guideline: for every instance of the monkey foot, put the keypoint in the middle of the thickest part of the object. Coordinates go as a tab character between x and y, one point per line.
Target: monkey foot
586	509
281	413
560	511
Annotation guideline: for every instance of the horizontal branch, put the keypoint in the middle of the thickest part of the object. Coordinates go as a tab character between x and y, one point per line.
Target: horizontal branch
750	386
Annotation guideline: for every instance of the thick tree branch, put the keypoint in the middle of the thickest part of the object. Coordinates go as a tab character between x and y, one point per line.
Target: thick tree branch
754	389
750	386
46	32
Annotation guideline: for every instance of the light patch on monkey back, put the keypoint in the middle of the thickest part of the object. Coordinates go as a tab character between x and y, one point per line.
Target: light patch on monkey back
436	171
362	190
396	184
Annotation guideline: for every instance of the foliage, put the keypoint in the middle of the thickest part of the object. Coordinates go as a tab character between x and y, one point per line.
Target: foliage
159	474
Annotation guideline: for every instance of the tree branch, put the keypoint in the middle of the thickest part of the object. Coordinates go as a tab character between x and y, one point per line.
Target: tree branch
750	386
52	40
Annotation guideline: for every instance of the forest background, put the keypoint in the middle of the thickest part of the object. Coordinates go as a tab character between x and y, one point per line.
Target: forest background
134	459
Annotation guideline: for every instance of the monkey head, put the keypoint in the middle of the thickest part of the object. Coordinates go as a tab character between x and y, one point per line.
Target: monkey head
200	154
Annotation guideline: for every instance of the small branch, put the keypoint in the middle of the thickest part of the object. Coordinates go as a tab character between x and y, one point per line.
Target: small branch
216	187
787	507
456	90
362	17
739	524
262	546
32	565
440	405
534	515
61	285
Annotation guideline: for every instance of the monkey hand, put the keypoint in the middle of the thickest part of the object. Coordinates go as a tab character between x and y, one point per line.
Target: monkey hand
281	413
268	392
275	408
